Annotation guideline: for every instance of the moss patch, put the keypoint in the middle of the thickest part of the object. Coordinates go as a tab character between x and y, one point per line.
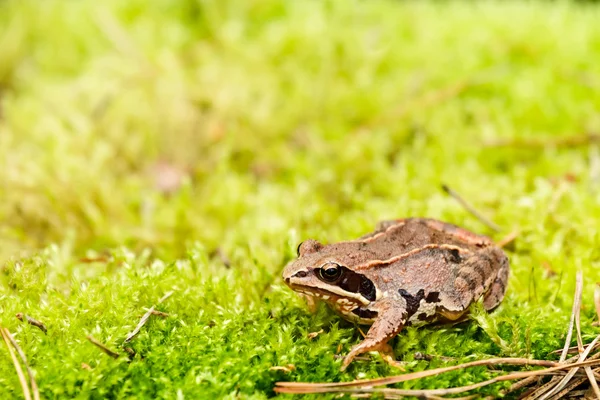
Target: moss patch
267	123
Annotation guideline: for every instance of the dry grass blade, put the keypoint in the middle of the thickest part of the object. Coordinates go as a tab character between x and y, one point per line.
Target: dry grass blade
151	311
20	374
102	347
423	374
588	370
368	388
539	391
569	389
575	317
576	306
577	310
486	221
556	384
570	350
34	387
521	384
572	372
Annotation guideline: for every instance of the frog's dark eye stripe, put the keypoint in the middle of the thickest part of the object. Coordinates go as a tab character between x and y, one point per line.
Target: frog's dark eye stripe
347	280
367	289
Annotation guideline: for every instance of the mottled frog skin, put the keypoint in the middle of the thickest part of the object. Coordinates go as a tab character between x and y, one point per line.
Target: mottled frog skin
408	272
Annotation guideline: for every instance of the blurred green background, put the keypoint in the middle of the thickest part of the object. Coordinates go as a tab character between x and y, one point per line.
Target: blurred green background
191	145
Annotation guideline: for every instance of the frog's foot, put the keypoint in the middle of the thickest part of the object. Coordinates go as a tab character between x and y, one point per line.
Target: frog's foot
384	349
363	347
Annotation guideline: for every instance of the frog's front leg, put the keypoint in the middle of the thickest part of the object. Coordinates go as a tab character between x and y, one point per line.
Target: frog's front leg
390	320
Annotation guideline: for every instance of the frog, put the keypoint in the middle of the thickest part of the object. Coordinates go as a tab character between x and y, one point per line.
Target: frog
408	272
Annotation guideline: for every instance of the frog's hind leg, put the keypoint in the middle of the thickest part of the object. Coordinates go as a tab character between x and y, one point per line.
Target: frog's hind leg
478	276
390	321
496	292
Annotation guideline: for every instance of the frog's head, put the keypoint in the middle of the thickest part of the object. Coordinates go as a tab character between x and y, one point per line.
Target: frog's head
325	272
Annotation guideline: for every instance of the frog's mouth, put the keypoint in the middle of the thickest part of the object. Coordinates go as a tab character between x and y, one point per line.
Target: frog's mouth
330	295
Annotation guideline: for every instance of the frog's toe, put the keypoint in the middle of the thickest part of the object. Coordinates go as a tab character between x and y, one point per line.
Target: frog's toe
386	351
347	360
356	350
392	361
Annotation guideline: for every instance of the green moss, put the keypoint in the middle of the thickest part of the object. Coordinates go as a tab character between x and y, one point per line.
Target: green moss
289	120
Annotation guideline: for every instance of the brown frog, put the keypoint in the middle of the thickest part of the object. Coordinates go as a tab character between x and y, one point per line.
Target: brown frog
410	271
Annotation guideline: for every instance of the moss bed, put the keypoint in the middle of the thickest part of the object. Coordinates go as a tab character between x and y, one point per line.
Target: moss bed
189	146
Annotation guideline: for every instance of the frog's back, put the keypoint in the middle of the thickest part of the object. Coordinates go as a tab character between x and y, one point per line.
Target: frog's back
398	237
446	264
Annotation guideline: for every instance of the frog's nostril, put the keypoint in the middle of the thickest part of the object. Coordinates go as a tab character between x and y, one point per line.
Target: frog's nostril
301	274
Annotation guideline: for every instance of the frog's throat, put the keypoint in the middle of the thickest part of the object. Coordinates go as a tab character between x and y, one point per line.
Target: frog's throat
331	294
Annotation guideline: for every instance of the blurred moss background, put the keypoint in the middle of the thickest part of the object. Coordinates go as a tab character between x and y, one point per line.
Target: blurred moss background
191	145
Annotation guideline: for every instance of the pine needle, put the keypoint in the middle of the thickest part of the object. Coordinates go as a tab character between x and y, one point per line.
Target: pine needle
422	374
102	347
472	210
146	317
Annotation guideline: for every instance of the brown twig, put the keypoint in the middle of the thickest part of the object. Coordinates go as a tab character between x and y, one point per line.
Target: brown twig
102	347
286	368
313	335
20	374
32	322
159	313
145	318
130	352
486	221
418	356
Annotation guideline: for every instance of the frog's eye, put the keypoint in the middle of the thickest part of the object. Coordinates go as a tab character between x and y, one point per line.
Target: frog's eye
330	272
